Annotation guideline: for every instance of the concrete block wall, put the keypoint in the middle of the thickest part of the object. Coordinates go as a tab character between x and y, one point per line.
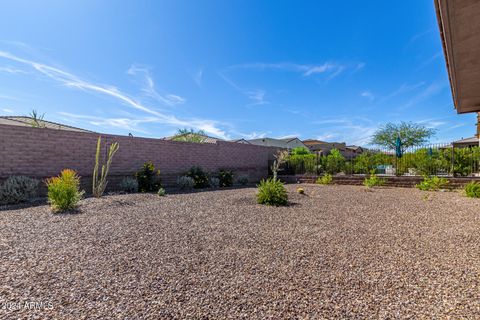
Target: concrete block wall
42	153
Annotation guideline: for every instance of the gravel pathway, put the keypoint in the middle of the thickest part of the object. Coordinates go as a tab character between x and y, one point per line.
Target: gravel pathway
337	252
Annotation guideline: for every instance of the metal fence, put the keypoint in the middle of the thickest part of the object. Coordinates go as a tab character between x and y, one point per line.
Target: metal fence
435	159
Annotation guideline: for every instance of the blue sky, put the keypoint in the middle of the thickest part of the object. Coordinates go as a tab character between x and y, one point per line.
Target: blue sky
332	70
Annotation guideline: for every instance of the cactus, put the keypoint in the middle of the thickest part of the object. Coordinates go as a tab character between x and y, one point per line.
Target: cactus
100	182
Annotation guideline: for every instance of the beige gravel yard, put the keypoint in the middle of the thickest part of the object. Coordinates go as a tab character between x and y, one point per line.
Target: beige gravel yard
337	252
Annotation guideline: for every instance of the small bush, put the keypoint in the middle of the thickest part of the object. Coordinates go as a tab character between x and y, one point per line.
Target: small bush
161	192
148	178
200	177
242	180
300	191
64	191
18	189
432	184
129	185
272	192
472	189
373	181
185	183
325	179
214	182
226	178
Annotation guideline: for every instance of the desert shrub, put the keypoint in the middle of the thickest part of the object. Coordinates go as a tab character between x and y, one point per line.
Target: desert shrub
432	183
302	163
200	177
148	178
300	191
185	183
427	161
64	191
226	178
214	182
242	180
334	162
18	189
129	185
325	179
272	192
161	192
367	161
373	180
472	189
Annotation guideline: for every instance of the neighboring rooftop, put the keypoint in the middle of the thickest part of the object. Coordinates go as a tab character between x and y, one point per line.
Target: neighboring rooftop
287	143
31	122
472	141
206	139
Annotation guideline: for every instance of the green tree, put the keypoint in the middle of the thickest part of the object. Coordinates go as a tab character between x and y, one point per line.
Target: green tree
334	162
300	151
411	134
189	135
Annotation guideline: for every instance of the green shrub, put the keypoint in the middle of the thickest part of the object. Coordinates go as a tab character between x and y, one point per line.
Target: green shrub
472	189
300	151
272	192
148	178
214	182
161	192
334	162
373	180
302	163
432	183
225	177
367	161
325	179
129	185
18	189
185	183
242	180
64	191
200	177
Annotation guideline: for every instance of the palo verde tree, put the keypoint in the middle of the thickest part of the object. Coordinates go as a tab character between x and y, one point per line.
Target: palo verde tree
411	135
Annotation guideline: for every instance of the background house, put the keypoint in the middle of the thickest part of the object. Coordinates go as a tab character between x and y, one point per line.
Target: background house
324	147
287	143
465	143
25	121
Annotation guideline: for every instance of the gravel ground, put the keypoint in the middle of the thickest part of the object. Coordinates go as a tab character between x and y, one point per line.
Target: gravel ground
337	252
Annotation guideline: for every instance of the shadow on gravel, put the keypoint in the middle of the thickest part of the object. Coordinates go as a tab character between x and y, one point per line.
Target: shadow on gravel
35	203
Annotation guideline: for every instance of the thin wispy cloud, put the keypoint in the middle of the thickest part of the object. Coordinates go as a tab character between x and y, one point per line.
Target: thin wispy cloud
326	136
197	77
367	94
72	81
304	69
12	70
7	110
353	130
431	90
430	60
257	96
149	86
417	37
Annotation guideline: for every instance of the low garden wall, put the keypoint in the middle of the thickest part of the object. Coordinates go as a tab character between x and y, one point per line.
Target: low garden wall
42	153
390	181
